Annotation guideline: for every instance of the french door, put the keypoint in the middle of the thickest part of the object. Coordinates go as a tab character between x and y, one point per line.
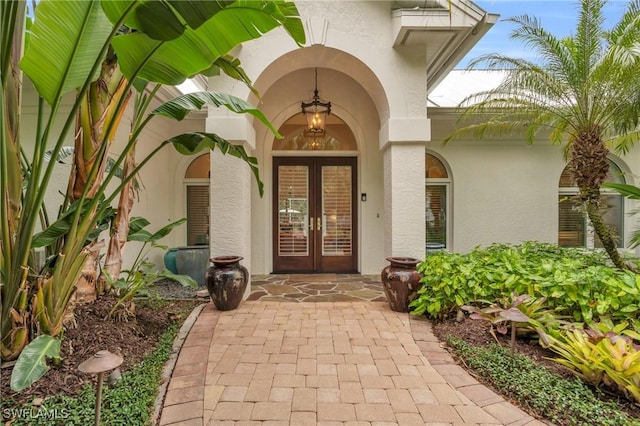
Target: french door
314	211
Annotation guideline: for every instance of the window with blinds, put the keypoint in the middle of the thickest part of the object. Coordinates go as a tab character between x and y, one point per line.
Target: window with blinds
197	215
573	228
197	187
336	211
293	210
436	203
436	217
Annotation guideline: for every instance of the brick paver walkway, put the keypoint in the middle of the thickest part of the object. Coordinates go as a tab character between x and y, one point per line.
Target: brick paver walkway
332	363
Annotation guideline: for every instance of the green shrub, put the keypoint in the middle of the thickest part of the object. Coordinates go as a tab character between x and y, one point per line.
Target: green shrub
575	282
563	401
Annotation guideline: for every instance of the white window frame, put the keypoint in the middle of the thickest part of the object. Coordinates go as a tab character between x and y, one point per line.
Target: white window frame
446	182
590	237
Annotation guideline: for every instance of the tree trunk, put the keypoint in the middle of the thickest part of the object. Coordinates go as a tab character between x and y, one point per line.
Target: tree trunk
86	286
604	233
15	283
590	167
120	230
97	116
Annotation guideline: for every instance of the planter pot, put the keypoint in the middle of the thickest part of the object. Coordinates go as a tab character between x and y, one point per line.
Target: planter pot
193	261
401	281
170	260
226	282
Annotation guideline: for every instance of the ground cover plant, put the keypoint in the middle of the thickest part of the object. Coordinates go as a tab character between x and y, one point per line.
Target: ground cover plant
565	401
583	312
64	396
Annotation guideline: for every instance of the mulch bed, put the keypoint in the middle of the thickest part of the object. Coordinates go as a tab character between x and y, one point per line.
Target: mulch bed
476	333
94	331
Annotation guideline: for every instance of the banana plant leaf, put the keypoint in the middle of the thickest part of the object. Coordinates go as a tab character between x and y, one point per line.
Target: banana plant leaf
196	49
31	364
194	142
62	225
139	234
81	30
178	108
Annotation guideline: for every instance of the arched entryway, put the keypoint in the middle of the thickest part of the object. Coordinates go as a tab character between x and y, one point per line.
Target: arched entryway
315	216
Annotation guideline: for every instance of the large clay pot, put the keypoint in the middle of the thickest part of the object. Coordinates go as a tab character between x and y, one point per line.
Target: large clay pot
401	281
193	261
226	281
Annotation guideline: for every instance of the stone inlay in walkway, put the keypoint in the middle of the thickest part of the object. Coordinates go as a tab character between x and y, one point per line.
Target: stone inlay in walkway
317	288
324	364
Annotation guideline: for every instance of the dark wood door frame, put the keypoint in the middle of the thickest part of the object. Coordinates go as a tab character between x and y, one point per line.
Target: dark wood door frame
315	261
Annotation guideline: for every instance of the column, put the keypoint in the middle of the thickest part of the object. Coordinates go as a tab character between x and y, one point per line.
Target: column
231	184
403	145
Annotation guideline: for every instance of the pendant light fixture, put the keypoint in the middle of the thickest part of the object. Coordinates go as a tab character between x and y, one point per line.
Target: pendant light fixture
316	111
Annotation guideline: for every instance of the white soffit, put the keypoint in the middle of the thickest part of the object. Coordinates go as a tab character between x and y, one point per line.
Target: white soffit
447	30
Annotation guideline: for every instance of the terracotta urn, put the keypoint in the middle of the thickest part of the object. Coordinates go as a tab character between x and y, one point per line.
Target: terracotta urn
226	282
400	281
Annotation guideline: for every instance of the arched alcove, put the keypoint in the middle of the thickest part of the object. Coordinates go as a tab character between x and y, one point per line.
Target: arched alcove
437	203
196	182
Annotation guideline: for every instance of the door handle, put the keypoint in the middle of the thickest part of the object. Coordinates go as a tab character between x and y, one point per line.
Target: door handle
319	222
310	224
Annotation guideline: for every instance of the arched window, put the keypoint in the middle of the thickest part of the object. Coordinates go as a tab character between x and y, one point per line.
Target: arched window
573	227
437	214
337	137
197	188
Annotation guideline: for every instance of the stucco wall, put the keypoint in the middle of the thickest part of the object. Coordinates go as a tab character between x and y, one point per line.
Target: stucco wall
368	83
507	190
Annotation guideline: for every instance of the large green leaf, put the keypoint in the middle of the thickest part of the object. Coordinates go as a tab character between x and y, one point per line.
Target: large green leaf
66	40
194	142
184	280
231	67
171	62
31	364
179	107
629	191
62	225
145	236
163	20
137	223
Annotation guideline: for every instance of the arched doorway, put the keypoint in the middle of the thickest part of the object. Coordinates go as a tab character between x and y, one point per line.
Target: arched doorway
315	220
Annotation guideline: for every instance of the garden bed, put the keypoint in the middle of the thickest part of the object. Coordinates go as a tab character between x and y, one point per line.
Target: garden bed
133	340
476	333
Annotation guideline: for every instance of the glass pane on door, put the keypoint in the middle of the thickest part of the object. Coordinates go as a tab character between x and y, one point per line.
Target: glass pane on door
293	210
337	214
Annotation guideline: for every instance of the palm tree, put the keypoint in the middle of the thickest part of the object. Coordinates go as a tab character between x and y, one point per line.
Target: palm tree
582	89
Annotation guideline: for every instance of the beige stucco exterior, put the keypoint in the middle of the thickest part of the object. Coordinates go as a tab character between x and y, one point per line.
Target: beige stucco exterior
377	64
375	80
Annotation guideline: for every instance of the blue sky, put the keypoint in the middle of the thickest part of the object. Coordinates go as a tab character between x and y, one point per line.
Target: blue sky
557	16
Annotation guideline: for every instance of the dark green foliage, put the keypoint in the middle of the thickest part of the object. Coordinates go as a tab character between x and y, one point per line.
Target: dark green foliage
577	283
563	401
